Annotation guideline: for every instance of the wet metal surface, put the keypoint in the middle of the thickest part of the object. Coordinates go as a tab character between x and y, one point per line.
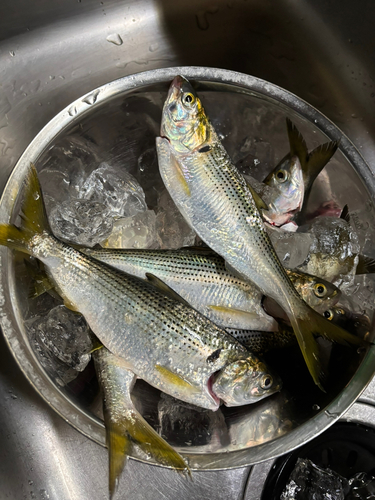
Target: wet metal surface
53	52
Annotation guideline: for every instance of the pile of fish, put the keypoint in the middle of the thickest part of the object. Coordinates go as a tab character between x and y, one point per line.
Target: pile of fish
194	322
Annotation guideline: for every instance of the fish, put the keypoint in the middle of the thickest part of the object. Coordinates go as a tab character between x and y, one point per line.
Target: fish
201	278
160	337
290	182
125	426
260	342
224	211
357	324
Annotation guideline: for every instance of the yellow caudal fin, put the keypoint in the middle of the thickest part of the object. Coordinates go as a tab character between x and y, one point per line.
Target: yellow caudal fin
131	429
119	448
33	216
312	324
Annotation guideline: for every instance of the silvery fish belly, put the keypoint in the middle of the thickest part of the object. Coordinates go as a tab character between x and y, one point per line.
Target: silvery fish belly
201	278
225	212
162	339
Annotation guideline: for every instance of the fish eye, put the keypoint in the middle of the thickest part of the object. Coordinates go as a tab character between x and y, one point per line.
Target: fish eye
320	290
328	314
340	311
188	99
281	175
266	382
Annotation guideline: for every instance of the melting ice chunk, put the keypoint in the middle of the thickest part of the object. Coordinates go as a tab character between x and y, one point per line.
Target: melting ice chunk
174	232
84	222
62	342
116	189
134	232
308	481
291	248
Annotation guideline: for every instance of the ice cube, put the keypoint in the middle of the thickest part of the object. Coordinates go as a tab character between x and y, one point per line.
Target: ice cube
308	481
62	341
173	231
291	248
83	222
334	250
148	175
138	231
362	486
116	189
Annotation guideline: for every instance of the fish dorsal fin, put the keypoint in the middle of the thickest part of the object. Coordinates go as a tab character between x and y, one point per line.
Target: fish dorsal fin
366	265
345	214
167	290
316	161
261	205
297	143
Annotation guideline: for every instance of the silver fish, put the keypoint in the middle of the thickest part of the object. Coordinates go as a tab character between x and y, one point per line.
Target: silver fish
224	210
160	337
125	427
200	277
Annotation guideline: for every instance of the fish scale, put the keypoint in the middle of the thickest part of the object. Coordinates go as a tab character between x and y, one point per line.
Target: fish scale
201	278
159	337
185	337
221	207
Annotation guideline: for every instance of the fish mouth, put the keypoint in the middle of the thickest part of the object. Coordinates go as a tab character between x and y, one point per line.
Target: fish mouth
178	81
210	384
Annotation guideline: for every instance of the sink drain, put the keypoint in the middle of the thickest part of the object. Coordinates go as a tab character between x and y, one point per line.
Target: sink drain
346	448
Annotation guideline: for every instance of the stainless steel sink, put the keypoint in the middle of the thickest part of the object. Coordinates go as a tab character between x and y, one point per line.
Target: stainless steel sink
53	52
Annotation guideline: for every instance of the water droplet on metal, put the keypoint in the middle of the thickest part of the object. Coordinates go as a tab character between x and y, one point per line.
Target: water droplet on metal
202	18
72	111
115	38
12	53
91	98
153	47
316	407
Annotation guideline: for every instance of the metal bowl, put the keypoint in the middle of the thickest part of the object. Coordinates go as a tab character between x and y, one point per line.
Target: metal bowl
249	113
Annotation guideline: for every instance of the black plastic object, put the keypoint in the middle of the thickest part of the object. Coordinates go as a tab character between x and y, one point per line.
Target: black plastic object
346	448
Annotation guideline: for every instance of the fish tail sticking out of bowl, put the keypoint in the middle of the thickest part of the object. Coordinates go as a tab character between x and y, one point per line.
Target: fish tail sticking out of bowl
225	211
159	337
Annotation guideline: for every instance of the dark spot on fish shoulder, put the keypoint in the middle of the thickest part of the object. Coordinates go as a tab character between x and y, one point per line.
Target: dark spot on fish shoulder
205	149
214	356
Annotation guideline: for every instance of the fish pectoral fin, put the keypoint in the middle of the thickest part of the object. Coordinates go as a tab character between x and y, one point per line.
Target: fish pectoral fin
119	448
234	313
297	143
168	160
167	290
261	205
176	379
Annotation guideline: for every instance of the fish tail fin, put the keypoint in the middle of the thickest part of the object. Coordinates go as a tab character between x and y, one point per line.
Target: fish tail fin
33	217
131	429
318	159
119	448
297	143
310	324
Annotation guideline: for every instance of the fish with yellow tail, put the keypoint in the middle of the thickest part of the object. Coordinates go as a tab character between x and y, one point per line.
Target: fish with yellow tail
224	210
125	427
160	337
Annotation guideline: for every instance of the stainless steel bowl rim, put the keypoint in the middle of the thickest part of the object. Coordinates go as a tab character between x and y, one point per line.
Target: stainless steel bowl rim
11	320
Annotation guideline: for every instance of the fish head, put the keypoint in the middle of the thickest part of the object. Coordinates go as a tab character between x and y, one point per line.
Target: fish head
287	183
318	293
245	381
356	323
184	122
